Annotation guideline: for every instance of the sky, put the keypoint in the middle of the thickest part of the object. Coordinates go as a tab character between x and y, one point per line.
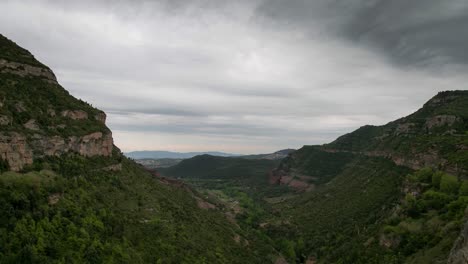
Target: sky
246	76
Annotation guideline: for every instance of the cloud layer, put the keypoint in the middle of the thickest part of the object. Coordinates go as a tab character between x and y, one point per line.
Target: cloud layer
245	76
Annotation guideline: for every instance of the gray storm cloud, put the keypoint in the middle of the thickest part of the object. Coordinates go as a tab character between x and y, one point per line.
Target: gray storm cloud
245	76
417	32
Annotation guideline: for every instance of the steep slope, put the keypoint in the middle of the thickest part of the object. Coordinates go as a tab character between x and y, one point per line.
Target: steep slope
277	155
67	195
207	166
39	118
362	210
225	174
434	136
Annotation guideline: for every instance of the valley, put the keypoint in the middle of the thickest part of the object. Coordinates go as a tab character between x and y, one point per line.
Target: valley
396	193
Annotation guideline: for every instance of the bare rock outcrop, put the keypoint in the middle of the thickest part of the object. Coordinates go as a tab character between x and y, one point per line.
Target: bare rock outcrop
441	120
404	128
15	150
95	144
25	70
31	125
114	167
4	120
20	108
294	180
18	151
101	117
75	114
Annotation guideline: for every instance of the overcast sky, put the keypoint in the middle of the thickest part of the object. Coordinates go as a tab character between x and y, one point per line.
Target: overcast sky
249	76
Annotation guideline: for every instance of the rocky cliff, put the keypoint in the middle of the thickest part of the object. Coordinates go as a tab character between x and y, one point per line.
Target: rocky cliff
39	118
434	136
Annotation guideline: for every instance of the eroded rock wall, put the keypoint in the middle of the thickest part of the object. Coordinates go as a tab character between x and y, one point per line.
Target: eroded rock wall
25	70
19	151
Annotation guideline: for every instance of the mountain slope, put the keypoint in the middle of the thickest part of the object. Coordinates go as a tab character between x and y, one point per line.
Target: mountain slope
211	172
363	209
435	136
277	155
67	195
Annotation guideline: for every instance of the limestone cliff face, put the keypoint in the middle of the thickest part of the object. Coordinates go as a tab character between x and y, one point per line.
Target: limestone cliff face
15	150
25	70
39	118
20	150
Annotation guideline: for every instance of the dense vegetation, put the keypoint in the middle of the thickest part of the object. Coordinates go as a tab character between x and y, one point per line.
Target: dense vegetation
225	173
76	209
423	226
25	99
316	163
439	129
70	210
329	221
363	208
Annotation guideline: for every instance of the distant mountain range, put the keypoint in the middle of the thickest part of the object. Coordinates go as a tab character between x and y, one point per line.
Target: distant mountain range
159	154
280	154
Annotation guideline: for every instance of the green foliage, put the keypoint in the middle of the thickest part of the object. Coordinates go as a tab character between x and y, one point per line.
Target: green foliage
424	175
333	219
449	184
464	188
436	178
410	136
314	162
39	99
435	200
83	214
426	223
226	174
213	167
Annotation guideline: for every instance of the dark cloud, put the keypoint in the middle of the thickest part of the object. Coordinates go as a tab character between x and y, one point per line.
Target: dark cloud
416	33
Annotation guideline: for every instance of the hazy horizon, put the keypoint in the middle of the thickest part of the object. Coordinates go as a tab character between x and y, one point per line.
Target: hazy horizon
245	77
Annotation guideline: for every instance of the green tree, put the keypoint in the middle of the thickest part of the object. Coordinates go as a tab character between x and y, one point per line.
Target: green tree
424	175
436	179
464	189
449	184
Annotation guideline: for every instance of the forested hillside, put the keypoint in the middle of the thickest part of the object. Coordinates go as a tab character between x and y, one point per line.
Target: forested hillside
68	195
381	194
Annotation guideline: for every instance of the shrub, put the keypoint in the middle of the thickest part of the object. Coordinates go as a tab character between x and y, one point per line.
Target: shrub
449	184
436	200
424	175
464	189
436	179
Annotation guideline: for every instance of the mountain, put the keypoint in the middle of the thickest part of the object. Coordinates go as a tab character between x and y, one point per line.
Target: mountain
378	196
396	193
158	163
213	167
280	154
150	154
68	195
